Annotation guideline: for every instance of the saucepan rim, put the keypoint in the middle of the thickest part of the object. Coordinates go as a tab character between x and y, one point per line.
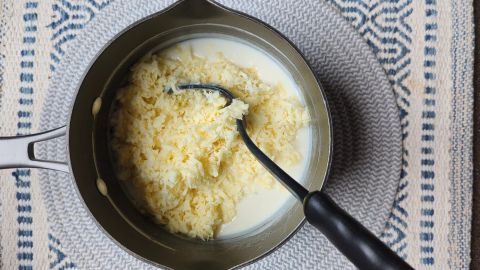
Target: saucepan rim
329	150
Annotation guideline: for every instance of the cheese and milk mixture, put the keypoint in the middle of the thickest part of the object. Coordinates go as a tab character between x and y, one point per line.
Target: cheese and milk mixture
179	153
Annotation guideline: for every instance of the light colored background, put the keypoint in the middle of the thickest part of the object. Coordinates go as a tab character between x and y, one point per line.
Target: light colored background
426	48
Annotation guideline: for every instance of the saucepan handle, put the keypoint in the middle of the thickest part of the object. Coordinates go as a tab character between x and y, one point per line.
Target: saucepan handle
350	237
18	151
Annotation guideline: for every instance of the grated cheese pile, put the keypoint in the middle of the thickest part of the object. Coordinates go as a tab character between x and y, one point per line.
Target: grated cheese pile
180	154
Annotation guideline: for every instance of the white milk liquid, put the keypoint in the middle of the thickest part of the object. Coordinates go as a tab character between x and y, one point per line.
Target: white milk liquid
256	209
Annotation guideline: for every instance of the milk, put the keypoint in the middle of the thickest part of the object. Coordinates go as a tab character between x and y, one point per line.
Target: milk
254	210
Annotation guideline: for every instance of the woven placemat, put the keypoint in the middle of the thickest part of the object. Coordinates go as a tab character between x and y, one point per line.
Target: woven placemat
367	133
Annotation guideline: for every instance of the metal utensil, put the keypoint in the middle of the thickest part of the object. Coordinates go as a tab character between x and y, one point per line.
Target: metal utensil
350	237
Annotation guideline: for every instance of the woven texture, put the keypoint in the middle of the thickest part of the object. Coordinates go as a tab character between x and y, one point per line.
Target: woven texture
417	197
367	162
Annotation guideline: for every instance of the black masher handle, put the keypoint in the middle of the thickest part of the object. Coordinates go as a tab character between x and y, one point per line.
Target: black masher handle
350	237
357	243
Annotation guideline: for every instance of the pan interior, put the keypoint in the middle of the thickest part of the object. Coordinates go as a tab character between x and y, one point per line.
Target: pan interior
273	202
114	213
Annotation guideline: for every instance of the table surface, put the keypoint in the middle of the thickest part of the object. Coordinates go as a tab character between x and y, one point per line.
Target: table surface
475	263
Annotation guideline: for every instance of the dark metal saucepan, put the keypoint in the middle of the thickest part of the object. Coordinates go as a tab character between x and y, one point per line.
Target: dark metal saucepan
88	158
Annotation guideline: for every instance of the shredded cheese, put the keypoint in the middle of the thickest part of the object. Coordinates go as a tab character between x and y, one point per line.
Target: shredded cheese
180	152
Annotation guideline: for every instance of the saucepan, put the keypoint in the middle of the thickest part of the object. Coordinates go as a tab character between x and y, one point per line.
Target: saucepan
89	159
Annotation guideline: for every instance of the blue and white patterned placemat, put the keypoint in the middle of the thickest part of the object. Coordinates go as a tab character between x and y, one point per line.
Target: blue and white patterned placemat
425	47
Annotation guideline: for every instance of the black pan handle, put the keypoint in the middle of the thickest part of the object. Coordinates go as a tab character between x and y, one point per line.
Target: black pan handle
350	237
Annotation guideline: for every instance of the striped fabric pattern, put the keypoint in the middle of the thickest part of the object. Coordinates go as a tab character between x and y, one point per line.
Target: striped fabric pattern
388	30
425	48
24	125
